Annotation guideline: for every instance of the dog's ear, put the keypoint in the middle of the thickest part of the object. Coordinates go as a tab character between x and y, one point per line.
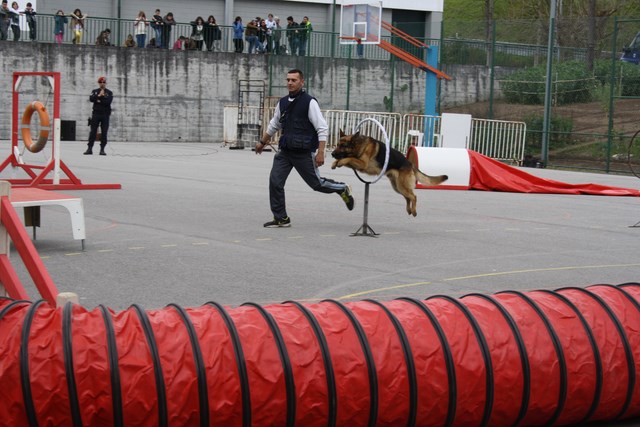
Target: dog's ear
357	134
341	133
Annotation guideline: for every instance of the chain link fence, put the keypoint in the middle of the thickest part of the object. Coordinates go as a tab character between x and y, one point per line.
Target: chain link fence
595	95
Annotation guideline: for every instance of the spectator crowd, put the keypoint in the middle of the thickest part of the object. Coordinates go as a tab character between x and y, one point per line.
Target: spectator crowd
258	36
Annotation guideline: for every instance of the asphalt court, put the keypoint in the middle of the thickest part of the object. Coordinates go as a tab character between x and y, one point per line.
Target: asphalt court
186	228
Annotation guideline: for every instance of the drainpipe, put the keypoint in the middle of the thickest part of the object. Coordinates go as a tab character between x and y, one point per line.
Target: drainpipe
228	12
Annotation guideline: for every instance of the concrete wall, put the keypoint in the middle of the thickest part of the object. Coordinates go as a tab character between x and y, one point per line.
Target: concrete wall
162	95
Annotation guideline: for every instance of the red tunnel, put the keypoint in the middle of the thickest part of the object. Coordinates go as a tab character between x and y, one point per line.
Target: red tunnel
537	358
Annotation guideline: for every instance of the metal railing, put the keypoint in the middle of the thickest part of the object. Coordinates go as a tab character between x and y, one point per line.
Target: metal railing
499	139
318	44
346	121
419	130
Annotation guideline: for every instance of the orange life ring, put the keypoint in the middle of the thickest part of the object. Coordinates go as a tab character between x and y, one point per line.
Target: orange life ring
45	126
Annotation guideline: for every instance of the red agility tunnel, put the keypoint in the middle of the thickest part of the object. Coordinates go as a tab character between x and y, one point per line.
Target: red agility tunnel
537	358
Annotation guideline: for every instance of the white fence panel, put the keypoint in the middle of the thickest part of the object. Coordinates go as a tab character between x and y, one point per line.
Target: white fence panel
419	130
500	140
348	120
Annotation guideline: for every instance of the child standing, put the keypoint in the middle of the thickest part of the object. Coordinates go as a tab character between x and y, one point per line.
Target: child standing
58	29
30	12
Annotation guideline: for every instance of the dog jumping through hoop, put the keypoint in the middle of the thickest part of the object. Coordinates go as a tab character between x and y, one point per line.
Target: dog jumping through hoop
367	155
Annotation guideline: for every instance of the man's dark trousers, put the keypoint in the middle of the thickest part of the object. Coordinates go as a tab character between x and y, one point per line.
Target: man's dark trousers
304	163
102	121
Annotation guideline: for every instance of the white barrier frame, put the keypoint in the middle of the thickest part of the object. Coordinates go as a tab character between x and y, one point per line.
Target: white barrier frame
499	139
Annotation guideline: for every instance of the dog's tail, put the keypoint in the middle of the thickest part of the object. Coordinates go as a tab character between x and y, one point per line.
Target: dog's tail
428	179
423	178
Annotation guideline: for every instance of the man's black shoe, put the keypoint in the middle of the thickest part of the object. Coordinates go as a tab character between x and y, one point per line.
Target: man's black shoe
102	153
284	222
347	198
89	152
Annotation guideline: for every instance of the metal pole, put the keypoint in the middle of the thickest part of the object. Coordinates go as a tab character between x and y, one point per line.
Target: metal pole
430	96
333	29
492	76
118	38
612	93
547	91
348	77
365	229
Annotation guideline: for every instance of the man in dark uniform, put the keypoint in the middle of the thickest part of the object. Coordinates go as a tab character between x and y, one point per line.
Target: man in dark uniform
302	144
101	99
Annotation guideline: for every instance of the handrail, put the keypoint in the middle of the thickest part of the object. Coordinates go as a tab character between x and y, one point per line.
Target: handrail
398	32
405	56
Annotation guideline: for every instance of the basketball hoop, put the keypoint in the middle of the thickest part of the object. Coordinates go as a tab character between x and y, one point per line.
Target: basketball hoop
360	22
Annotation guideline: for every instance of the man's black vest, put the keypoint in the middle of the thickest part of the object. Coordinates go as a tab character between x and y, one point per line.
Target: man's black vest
298	133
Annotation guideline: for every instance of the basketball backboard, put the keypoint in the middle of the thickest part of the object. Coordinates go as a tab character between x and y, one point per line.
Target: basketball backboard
360	21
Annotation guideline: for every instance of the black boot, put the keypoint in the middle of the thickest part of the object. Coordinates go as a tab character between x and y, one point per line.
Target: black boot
102	153
89	151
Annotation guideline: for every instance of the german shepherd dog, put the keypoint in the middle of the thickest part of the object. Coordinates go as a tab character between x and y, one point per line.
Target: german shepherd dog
367	155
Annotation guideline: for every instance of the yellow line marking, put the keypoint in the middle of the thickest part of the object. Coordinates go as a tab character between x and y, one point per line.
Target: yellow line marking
476	276
105	250
392	232
136	248
327	235
373	291
537	270
295	237
73	254
200	243
169	246
264	239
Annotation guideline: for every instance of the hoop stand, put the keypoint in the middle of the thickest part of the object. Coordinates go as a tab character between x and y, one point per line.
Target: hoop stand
365	229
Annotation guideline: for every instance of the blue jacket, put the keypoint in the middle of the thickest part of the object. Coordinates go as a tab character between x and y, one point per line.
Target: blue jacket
238	30
59	24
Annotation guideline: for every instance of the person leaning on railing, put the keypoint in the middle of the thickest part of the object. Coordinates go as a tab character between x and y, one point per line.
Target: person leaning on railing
140	26
292	35
5	21
77	22
166	29
238	32
304	35
58	29
157	23
30	12
197	32
212	34
14	15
